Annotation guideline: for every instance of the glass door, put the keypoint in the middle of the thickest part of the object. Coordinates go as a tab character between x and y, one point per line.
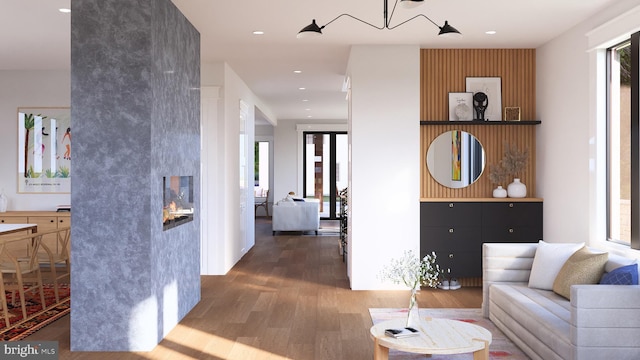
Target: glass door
325	170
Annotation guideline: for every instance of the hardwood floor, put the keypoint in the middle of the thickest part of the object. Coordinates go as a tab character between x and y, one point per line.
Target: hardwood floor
288	298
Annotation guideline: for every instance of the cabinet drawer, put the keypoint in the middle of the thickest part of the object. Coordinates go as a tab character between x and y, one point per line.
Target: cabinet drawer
44	222
461	263
451	238
512	214
13	220
512	234
450	214
64	222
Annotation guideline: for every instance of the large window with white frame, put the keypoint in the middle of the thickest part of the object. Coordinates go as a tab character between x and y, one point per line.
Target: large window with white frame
623	127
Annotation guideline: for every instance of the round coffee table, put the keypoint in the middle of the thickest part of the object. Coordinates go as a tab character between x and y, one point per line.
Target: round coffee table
437	336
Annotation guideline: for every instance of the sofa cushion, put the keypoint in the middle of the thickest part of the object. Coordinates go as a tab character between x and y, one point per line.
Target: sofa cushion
583	267
548	261
624	275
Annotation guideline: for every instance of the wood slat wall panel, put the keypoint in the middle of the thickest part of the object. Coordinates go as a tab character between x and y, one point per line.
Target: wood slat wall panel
493	139
444	71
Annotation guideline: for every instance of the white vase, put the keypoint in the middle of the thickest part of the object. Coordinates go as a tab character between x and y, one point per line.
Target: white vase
4	201
517	189
499	192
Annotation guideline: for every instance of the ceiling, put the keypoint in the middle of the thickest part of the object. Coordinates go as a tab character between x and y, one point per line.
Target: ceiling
35	35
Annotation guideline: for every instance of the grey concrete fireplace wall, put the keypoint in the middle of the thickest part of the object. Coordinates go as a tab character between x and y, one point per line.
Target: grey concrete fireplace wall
135	108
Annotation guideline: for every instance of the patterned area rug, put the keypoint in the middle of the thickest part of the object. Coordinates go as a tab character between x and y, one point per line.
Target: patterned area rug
501	347
37	318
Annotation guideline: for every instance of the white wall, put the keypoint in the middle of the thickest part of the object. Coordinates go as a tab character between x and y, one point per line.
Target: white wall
232	212
571	138
211	244
27	89
384	135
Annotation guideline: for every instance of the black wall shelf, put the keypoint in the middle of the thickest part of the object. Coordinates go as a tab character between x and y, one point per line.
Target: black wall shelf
509	123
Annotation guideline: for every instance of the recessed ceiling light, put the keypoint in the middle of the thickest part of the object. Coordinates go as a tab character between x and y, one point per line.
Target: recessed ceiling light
309	116
302	88
297	71
490	32
305	100
307	109
64	10
258	32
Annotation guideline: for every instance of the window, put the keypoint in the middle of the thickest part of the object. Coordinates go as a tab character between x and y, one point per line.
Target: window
623	168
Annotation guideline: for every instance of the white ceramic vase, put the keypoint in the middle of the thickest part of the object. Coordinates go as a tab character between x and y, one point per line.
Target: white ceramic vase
4	201
517	189
499	192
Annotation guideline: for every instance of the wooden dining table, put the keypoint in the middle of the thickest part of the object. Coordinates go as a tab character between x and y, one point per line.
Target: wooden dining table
6	229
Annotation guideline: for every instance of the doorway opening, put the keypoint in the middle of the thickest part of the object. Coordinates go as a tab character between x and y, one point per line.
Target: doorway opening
325	157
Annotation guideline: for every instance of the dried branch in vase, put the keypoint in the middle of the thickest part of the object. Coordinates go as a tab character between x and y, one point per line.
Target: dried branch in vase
497	174
514	160
513	163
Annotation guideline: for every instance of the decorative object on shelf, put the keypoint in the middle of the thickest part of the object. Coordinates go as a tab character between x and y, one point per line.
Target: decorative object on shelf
511	113
460	106
517	189
512	164
313	29
4	201
480	103
499	192
414	273
492	89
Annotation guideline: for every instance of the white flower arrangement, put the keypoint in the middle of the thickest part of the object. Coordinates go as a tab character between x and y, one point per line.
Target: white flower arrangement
412	271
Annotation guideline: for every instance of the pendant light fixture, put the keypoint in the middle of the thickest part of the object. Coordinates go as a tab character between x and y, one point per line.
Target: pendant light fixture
313	29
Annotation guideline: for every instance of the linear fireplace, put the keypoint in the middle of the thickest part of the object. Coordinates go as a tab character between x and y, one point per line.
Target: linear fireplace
177	201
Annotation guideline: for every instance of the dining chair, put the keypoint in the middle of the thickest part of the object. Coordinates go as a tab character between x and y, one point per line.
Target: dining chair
20	270
263	201
54	254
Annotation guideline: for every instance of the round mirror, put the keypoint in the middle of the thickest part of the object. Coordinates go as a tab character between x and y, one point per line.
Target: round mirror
456	159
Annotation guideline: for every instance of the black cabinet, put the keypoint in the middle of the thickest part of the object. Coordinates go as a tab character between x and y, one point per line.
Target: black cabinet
512	222
456	230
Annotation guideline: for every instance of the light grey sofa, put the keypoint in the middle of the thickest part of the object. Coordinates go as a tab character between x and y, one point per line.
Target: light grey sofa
600	321
296	216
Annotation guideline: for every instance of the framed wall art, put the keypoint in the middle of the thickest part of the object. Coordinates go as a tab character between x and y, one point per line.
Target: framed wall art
44	150
511	113
460	106
487	108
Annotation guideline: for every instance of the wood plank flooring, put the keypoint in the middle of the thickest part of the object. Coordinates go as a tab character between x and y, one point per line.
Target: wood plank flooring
288	298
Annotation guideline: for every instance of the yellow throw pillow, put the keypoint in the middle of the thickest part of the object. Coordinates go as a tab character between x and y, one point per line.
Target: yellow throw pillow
583	267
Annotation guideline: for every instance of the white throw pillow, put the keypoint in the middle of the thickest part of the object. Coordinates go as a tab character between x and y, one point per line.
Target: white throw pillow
548	261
